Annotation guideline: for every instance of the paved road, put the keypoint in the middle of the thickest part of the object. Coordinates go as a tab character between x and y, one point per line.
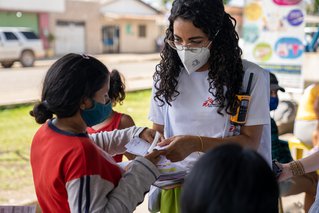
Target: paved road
21	85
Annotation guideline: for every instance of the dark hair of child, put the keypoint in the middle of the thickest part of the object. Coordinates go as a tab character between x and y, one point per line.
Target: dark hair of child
67	83
117	87
230	179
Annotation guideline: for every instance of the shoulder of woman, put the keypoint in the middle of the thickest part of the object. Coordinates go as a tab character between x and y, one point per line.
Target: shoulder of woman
126	121
250	67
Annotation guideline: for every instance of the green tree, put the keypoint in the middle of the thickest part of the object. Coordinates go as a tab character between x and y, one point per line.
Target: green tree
164	2
316	7
313	7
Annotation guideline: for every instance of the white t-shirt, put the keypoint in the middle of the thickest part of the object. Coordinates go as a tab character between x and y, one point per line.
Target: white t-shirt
193	112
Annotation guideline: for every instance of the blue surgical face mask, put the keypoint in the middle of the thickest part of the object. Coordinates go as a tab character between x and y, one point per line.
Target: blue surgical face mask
273	104
98	113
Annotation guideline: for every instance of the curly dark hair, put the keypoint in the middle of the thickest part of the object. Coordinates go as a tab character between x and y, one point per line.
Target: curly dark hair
117	87
225	64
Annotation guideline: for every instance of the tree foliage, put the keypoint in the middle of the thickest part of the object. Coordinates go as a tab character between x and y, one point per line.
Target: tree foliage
316	7
313	7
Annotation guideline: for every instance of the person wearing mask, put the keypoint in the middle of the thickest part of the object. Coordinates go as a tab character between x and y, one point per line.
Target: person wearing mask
196	88
74	171
116	120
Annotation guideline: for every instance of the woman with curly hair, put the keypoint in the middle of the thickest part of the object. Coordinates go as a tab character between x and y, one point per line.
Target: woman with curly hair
195	88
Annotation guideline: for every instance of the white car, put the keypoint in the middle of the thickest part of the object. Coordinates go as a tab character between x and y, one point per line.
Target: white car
19	44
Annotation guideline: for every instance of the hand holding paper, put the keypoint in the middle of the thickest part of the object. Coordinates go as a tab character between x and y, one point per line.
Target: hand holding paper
154	143
154	156
138	146
171	173
148	135
181	146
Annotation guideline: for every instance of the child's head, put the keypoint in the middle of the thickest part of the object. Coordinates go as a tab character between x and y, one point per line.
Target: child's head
117	87
230	178
68	82
274	87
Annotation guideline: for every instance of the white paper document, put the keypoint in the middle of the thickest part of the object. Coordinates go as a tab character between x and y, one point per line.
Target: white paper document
169	170
138	146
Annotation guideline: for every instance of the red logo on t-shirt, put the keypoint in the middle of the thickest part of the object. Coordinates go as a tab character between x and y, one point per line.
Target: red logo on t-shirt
232	128
209	102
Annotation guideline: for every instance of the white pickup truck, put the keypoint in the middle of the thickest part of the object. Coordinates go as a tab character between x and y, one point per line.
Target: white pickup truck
19	44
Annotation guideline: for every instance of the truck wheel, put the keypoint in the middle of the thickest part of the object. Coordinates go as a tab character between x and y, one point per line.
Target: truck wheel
27	58
7	64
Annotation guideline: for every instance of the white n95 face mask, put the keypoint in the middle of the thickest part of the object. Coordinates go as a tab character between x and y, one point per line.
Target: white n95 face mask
194	58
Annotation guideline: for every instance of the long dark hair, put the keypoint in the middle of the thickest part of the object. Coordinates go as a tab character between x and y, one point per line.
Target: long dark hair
230	179
117	87
68	81
225	62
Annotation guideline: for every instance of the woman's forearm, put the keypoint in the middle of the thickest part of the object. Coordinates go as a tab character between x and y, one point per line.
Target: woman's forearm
249	137
311	163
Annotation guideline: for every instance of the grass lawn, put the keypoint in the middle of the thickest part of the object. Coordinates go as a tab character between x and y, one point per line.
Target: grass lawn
17	128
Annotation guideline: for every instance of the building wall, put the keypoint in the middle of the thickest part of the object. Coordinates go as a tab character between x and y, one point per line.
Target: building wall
89	12
125	7
86	12
33	5
130	42
43	24
31	14
12	19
